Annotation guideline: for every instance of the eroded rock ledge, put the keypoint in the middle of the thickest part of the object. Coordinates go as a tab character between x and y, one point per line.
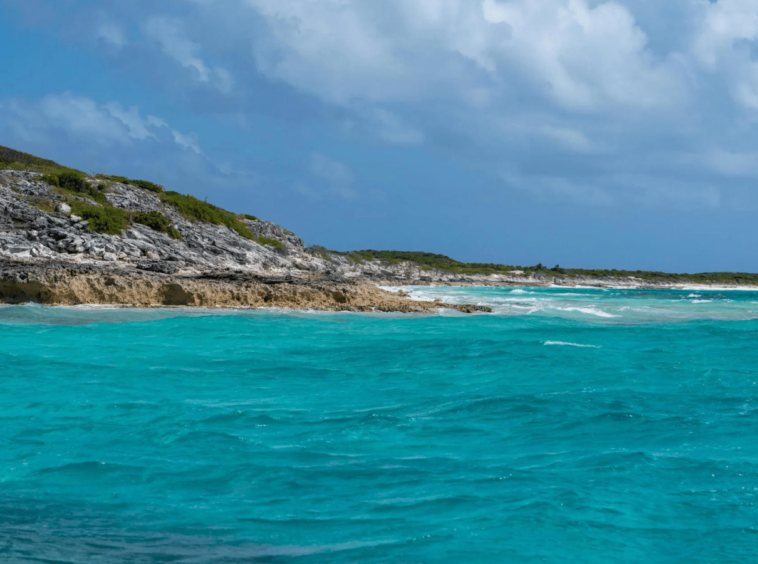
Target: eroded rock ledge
71	284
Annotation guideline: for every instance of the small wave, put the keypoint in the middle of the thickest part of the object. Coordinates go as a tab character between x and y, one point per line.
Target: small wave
694	296
701	301
518	291
589	311
563	344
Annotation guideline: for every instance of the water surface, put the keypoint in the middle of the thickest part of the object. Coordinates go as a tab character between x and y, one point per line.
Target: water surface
570	426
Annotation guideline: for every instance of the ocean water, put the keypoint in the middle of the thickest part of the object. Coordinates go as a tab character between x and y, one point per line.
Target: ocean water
569	426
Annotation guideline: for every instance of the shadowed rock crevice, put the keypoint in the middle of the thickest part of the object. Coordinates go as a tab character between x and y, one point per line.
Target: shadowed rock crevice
175	295
12	292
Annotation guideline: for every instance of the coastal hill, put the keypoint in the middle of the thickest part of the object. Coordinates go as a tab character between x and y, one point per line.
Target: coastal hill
68	237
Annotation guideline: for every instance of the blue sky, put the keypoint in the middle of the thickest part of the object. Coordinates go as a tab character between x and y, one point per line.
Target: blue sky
599	134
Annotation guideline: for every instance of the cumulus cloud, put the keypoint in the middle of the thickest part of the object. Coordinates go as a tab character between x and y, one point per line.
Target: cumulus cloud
725	45
578	55
584	56
723	23
577	95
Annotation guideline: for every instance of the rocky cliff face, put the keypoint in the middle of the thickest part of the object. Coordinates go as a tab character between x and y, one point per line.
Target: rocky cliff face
37	227
28	230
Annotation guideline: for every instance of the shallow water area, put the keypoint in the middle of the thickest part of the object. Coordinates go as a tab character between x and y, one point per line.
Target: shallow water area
540	433
619	306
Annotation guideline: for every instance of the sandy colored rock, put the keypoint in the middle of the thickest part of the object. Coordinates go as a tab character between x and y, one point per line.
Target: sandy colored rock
87	284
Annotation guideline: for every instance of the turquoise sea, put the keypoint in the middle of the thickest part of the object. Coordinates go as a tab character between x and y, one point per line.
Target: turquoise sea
577	426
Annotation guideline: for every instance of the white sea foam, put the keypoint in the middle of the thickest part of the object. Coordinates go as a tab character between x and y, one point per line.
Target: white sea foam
562	344
589	311
701	301
518	291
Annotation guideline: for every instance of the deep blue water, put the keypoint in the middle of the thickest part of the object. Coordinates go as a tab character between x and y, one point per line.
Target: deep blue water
570	426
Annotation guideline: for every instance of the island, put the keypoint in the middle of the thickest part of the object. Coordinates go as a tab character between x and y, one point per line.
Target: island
70	238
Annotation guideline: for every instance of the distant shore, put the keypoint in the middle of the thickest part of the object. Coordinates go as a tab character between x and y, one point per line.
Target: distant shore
68	284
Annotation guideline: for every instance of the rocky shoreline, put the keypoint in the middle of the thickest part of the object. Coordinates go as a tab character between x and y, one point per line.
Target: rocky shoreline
71	284
51	255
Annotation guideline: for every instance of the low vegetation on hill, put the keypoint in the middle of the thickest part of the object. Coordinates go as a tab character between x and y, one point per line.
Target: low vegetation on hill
144	184
10	159
90	202
198	210
73	182
102	219
107	219
429	261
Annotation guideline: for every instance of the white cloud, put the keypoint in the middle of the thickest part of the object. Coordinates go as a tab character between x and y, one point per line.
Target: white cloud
337	176
733	164
580	56
723	23
84	119
170	34
585	57
660	89
725	43
138	128
111	33
188	141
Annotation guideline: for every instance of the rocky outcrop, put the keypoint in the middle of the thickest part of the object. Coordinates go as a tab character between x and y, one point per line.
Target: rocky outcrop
36	224
49	255
73	284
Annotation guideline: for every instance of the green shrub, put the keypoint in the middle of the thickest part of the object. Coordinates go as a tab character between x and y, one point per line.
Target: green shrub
156	221
197	210
118	179
146	185
250	217
50	179
270	242
106	219
73	182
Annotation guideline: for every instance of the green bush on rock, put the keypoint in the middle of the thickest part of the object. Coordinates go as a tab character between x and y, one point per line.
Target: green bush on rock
156	221
197	210
106	219
74	183
146	185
